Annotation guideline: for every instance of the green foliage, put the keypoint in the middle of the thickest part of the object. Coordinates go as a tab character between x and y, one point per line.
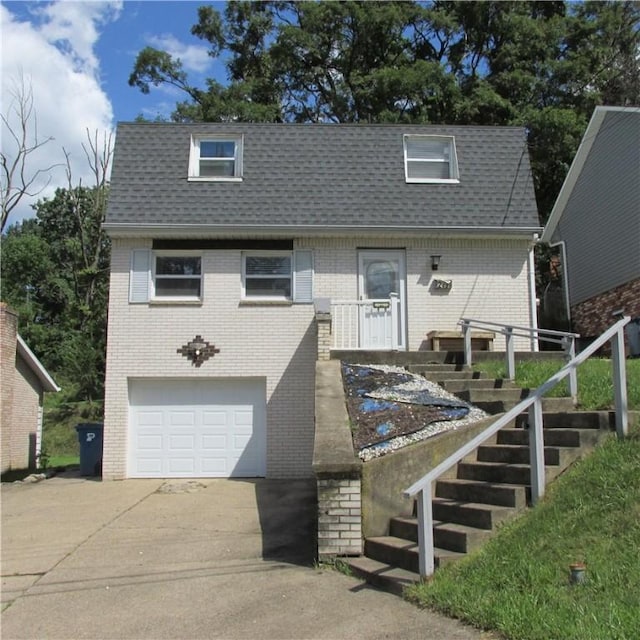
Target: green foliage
518	583
55	274
544	65
595	381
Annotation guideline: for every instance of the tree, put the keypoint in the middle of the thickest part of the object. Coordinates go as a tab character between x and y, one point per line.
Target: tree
542	65
21	125
56	275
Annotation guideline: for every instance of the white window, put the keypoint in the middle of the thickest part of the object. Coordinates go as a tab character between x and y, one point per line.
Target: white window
176	276
267	275
277	275
216	158
430	159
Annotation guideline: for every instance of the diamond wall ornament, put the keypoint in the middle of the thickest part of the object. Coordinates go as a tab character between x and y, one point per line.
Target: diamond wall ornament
198	350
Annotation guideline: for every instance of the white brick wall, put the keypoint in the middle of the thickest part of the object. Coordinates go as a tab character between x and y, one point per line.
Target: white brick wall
279	343
490	281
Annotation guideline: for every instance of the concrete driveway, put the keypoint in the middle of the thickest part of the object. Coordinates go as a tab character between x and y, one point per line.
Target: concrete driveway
160	559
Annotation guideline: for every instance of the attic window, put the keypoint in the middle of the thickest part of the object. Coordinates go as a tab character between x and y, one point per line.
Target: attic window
215	158
430	159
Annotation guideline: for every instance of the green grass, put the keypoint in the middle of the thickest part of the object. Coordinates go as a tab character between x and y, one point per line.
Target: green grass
595	384
59	436
64	461
518	583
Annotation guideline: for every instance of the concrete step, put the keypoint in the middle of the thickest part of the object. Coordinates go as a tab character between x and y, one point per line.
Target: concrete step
472	514
519	454
434	374
402	553
431	369
497	472
458	386
568	419
447	535
502	495
502	400
552	437
392	550
382	575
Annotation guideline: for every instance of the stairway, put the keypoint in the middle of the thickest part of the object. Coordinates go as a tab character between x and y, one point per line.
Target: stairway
489	487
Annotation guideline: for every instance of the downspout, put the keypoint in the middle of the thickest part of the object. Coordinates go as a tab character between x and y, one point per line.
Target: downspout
565	276
533	300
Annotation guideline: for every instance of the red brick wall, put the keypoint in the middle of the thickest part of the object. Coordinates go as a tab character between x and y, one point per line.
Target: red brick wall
593	316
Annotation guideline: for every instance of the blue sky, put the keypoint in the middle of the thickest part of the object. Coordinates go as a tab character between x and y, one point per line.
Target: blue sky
76	56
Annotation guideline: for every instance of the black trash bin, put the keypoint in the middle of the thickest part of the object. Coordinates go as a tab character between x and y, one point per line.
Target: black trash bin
632	331
90	438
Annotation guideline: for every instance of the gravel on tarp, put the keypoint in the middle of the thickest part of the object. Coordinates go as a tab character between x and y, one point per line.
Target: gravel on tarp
390	407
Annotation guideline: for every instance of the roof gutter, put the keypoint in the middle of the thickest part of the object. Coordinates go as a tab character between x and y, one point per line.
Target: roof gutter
121	230
48	383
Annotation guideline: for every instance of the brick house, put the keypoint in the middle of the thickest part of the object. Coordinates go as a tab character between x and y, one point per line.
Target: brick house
226	239
24	382
596	222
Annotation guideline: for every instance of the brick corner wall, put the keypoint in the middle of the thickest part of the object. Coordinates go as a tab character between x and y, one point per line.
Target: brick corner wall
592	317
8	336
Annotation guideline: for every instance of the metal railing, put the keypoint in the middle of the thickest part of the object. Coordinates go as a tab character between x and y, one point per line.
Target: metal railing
564	338
533	404
366	324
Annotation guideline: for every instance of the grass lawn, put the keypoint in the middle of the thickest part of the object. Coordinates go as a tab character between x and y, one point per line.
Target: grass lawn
595	384
518	583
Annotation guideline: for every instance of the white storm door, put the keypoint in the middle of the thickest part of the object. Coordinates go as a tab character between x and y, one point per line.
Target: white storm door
382	279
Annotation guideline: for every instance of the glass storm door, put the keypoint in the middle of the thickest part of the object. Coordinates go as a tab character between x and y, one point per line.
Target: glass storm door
381	280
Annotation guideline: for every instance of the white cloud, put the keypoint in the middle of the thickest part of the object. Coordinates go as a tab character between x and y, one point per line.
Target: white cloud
193	57
54	55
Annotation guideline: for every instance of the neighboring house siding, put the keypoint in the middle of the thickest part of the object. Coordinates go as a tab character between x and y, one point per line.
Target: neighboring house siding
22	395
8	323
278	343
27	414
593	316
601	221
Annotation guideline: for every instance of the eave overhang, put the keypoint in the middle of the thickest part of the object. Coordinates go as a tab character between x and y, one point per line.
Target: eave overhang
131	230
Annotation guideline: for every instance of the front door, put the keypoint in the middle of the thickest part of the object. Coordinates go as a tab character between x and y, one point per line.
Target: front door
381	279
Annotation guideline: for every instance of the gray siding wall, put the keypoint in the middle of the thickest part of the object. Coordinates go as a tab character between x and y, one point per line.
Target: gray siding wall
601	223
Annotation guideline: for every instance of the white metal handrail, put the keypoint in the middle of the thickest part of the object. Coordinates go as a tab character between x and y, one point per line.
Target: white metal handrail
533	403
565	338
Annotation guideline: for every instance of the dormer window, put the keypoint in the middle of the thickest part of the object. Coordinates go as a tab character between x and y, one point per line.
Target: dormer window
430	159
215	158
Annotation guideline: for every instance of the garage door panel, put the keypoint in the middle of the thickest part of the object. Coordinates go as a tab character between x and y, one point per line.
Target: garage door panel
149	442
214	418
150	418
182	442
187	428
181	466
213	443
149	466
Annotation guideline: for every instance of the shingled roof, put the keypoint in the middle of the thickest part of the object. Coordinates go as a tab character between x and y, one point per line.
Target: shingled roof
314	177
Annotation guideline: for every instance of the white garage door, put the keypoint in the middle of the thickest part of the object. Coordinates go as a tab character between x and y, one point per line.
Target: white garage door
197	428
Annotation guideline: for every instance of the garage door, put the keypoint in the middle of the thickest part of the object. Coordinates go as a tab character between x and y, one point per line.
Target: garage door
197	428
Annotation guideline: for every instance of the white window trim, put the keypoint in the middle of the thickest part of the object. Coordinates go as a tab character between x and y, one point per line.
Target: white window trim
270	254
181	254
194	158
453	161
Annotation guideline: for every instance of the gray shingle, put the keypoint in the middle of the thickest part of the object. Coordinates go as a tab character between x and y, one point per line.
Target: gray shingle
321	175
